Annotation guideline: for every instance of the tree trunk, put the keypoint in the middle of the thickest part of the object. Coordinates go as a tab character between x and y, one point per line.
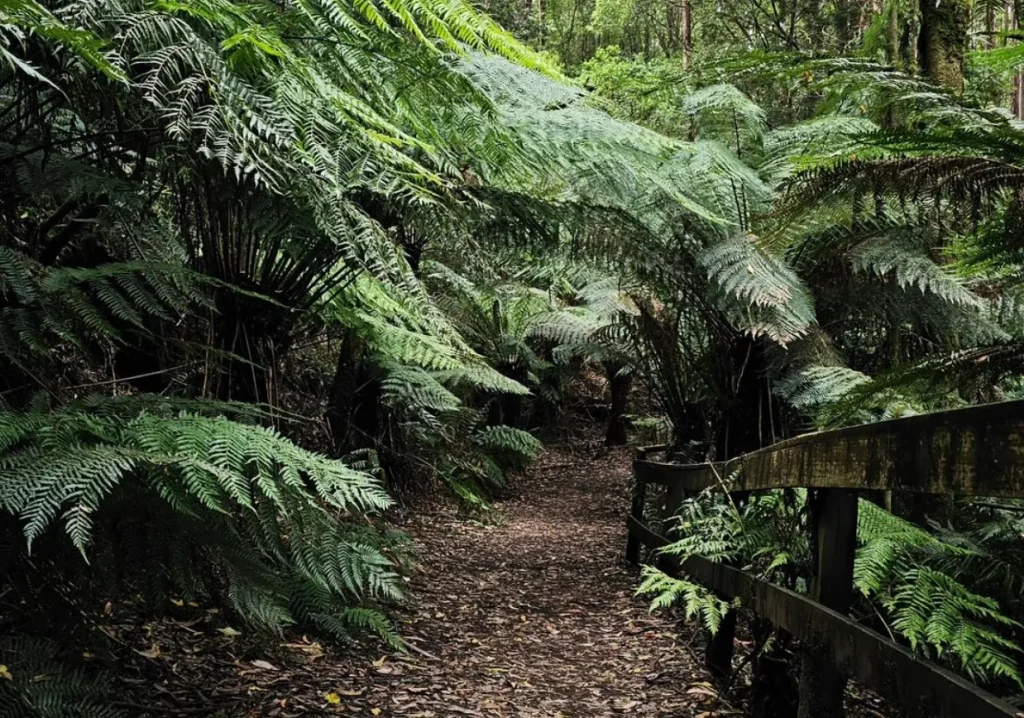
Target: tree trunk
845	21
687	34
507	410
1018	96
619	384
892	34
815	31
352	414
1017	93
943	41
990	27
751	419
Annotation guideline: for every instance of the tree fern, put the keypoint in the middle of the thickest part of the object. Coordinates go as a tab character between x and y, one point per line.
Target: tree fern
780	306
916	576
275	512
41	684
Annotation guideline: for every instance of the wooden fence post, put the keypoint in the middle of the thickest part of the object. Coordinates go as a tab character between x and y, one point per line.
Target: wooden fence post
834	512
637	512
719	648
673	500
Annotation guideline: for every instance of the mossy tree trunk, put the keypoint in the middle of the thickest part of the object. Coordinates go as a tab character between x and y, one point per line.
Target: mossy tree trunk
892	34
686	32
943	41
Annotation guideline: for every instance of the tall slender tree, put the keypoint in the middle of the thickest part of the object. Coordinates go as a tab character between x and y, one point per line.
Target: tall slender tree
943	41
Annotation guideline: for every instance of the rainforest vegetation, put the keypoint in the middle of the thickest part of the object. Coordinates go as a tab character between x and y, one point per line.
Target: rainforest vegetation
273	270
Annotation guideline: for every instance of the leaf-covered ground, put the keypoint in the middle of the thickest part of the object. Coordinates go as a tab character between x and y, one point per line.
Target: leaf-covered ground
536	616
533	615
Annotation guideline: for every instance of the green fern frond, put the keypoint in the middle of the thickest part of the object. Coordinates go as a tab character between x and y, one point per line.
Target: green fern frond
696	601
40	683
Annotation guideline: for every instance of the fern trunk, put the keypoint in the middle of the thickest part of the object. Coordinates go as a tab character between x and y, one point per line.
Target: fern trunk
892	34
353	412
751	417
507	410
619	384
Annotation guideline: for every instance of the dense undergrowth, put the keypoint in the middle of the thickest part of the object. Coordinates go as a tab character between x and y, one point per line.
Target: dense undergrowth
266	267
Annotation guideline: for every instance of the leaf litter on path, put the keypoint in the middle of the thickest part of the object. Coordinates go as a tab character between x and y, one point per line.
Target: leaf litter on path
532	616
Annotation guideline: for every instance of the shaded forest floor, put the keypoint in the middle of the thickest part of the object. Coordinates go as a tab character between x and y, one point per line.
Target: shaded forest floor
531	616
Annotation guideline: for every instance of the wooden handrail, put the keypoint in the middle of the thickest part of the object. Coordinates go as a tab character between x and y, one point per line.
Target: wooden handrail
978	451
919	686
642	452
974	451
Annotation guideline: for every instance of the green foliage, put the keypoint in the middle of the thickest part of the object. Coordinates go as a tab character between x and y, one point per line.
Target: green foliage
40	685
513	447
933	609
725	113
696	601
918	578
763	537
650	93
269	513
496	322
47	306
764	289
816	386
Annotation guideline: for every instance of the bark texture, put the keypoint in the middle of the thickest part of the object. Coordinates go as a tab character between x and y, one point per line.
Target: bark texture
943	41
619	384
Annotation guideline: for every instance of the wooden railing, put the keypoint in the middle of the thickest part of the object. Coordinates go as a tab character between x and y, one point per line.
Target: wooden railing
977	451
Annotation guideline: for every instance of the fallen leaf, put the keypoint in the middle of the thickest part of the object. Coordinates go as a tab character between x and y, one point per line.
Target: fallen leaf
229	632
5	673
153	652
265	665
333	698
702	692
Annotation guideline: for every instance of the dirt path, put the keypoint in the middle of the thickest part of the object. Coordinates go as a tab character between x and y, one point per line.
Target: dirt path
536	616
530	617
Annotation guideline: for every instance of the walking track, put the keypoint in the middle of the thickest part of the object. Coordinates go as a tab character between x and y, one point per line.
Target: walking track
533	615
536	616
